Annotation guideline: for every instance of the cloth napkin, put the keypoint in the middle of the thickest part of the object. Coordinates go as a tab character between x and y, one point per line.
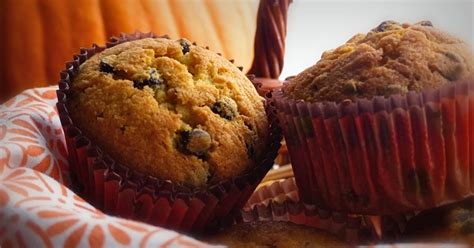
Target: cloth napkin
36	207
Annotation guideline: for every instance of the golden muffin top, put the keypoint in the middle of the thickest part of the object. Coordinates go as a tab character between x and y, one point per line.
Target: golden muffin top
170	109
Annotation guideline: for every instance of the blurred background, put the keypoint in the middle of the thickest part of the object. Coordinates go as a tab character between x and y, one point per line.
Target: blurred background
38	36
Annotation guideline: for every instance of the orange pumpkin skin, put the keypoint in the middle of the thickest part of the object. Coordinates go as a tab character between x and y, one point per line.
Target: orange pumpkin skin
38	37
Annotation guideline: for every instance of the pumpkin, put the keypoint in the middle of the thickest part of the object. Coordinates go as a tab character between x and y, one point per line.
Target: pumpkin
39	36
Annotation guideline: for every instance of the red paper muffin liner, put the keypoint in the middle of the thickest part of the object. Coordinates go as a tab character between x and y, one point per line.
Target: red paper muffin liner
279	201
120	191
385	155
264	86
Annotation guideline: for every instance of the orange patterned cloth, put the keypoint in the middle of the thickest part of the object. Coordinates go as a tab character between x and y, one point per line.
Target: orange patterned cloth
36	207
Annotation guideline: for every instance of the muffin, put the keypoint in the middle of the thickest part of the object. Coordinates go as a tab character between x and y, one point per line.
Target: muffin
171	110
381	124
274	234
391	59
164	131
453	224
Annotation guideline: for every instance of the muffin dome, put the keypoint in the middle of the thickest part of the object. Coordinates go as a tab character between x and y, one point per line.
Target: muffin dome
170	109
390	59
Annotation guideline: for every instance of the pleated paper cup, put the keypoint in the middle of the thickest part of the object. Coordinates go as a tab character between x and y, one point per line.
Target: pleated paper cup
279	201
385	155
118	190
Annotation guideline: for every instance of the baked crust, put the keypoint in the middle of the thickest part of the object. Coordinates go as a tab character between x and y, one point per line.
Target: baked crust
391	59
170	109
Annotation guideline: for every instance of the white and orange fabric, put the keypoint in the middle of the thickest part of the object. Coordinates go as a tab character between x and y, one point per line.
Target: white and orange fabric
36	207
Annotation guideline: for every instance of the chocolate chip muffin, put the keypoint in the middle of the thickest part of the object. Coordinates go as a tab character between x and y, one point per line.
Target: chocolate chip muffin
170	109
274	234
391	59
453	223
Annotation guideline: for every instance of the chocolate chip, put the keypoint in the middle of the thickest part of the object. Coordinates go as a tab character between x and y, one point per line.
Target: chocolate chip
425	23
225	107
250	149
241	68
250	141
105	67
138	84
196	141
467	228
384	26
185	46
153	80
183	138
